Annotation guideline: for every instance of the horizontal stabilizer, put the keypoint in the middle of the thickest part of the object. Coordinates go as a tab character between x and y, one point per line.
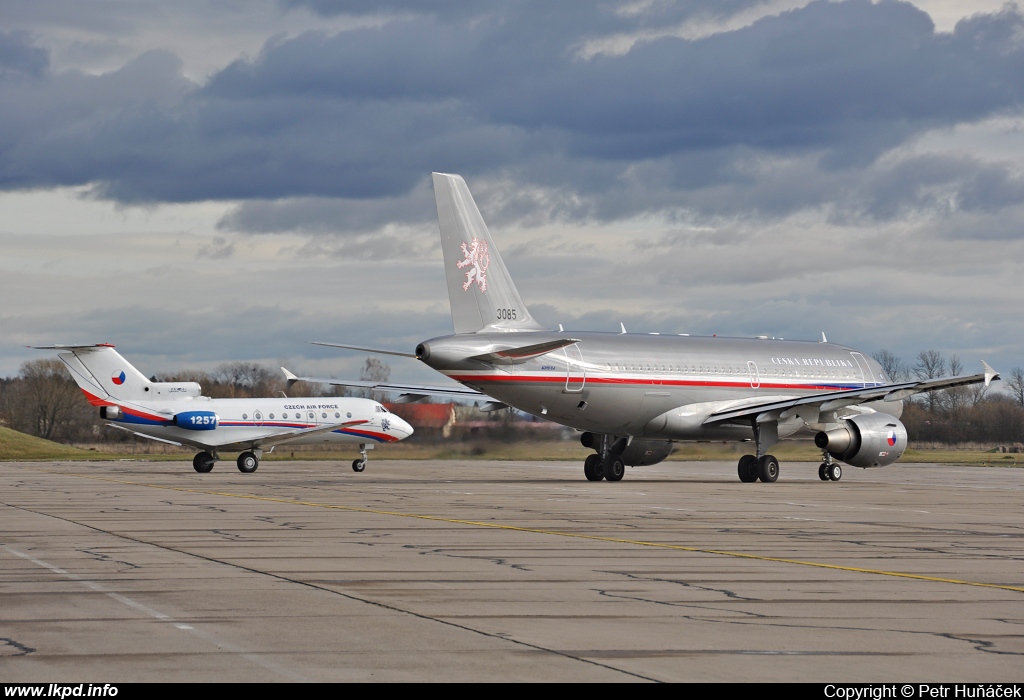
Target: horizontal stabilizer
373	350
416	390
515	356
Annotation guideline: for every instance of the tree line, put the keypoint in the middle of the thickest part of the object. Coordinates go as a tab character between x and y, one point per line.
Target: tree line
44	401
971	414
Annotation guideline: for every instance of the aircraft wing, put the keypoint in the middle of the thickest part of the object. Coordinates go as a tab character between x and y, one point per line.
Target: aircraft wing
409	392
775	409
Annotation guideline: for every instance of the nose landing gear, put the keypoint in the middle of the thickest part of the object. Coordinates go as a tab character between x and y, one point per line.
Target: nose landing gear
360	464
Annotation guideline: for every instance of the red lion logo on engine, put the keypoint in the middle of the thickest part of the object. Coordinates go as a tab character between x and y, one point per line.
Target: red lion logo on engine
477	259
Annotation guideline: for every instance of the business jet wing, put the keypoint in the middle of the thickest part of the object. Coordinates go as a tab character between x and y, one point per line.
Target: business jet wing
409	392
775	409
266	440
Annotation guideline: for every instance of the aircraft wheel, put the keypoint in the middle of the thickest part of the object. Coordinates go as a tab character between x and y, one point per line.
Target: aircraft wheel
359	465
835	472
747	468
247	462
203	462
592	468
614	470
768	469
823	472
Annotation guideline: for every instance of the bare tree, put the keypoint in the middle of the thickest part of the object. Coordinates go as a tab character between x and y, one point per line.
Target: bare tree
246	379
893	366
957	398
1015	385
930	365
47	400
375	370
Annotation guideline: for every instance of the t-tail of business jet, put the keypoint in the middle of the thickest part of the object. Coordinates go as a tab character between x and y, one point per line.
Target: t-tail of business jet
178	413
633	395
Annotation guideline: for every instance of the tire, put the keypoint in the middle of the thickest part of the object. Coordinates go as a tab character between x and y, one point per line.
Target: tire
768	469
835	473
358	465
248	462
823	472
747	469
203	462
615	469
592	468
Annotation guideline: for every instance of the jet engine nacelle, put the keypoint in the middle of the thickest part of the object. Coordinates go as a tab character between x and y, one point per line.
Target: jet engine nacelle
197	420
641	453
111	412
638	453
868	440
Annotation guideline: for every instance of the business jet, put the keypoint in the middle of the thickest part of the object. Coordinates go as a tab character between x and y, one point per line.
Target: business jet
633	395
177	413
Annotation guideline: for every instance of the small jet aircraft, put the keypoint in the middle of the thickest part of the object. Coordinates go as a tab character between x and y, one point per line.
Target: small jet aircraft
177	413
632	395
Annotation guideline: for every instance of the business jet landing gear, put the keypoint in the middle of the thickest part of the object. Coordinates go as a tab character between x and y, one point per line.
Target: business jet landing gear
360	464
203	462
592	468
248	462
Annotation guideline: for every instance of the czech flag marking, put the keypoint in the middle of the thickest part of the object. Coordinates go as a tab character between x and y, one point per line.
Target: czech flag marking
117	378
892	438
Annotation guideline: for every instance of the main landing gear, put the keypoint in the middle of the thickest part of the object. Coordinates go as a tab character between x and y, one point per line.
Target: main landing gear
247	461
751	468
607	463
203	462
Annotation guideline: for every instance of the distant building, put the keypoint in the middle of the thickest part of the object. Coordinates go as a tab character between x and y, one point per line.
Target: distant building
429	420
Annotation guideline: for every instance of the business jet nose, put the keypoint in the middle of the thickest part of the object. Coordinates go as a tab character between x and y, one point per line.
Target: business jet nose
399	429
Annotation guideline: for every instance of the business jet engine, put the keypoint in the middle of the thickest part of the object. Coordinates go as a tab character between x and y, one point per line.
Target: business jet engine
868	440
197	420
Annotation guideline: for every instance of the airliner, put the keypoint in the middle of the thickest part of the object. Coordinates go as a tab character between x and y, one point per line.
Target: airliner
632	395
178	413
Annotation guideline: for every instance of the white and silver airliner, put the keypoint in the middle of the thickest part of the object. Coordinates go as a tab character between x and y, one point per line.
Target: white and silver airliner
178	413
632	395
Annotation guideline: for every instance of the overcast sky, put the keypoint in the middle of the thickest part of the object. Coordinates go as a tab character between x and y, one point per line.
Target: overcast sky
200	182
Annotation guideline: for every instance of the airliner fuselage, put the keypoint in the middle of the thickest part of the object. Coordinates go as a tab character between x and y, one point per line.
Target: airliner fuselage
629	382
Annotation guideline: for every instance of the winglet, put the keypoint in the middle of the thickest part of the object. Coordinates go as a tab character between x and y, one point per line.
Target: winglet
990	373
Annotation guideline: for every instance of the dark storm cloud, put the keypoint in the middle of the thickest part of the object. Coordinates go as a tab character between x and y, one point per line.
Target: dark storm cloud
500	91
